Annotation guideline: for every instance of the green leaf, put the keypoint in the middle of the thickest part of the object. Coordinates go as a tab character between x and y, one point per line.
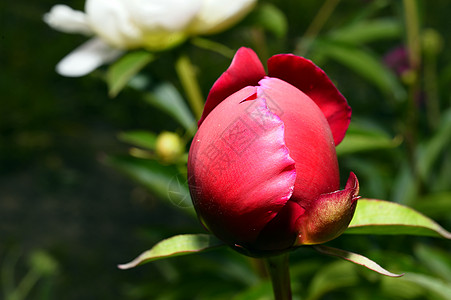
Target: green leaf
336	275
355	258
166	98
397	288
405	185
164	181
383	217
140	138
436	259
363	63
261	291
368	31
436	205
358	140
432	284
120	73
183	244
270	18
429	153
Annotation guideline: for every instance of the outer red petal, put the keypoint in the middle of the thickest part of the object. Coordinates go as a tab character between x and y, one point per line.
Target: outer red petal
307	136
281	232
310	79
245	70
239	170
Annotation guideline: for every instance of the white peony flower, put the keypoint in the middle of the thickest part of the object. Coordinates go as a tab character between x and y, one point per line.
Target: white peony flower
120	25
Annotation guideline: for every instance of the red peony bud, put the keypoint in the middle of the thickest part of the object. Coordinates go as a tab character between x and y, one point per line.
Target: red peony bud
263	172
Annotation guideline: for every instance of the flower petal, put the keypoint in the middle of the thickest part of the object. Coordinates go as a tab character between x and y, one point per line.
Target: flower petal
308	136
239	169
64	18
281	232
87	58
330	215
112	21
245	70
216	16
163	15
310	79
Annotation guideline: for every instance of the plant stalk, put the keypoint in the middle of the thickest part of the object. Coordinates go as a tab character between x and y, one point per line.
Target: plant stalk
414	54
279	271
187	75
315	26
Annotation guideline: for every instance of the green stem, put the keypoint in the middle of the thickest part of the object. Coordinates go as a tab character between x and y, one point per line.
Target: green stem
413	45
25	286
279	272
187	75
316	25
431	88
213	46
8	274
259	40
413	33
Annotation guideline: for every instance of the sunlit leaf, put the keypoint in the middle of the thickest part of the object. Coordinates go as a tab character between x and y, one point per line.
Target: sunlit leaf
355	258
120	73
387	218
168	99
163	181
368	31
140	138
175	246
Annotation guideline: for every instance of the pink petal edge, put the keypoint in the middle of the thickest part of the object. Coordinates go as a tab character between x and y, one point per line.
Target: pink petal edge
246	69
310	79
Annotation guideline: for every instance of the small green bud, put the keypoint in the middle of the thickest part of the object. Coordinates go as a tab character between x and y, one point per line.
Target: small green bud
169	147
432	42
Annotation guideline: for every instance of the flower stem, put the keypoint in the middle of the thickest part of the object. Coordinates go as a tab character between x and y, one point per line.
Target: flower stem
414	51
213	46
279	272
315	26
187	75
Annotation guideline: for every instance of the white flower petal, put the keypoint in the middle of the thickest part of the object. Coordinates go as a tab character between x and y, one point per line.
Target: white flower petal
65	19
112	21
86	58
163	15
217	15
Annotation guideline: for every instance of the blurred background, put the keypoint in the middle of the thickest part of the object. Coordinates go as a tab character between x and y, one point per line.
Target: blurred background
75	201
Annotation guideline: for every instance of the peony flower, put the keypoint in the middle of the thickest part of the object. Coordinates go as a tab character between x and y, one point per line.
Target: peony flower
262	168
119	25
